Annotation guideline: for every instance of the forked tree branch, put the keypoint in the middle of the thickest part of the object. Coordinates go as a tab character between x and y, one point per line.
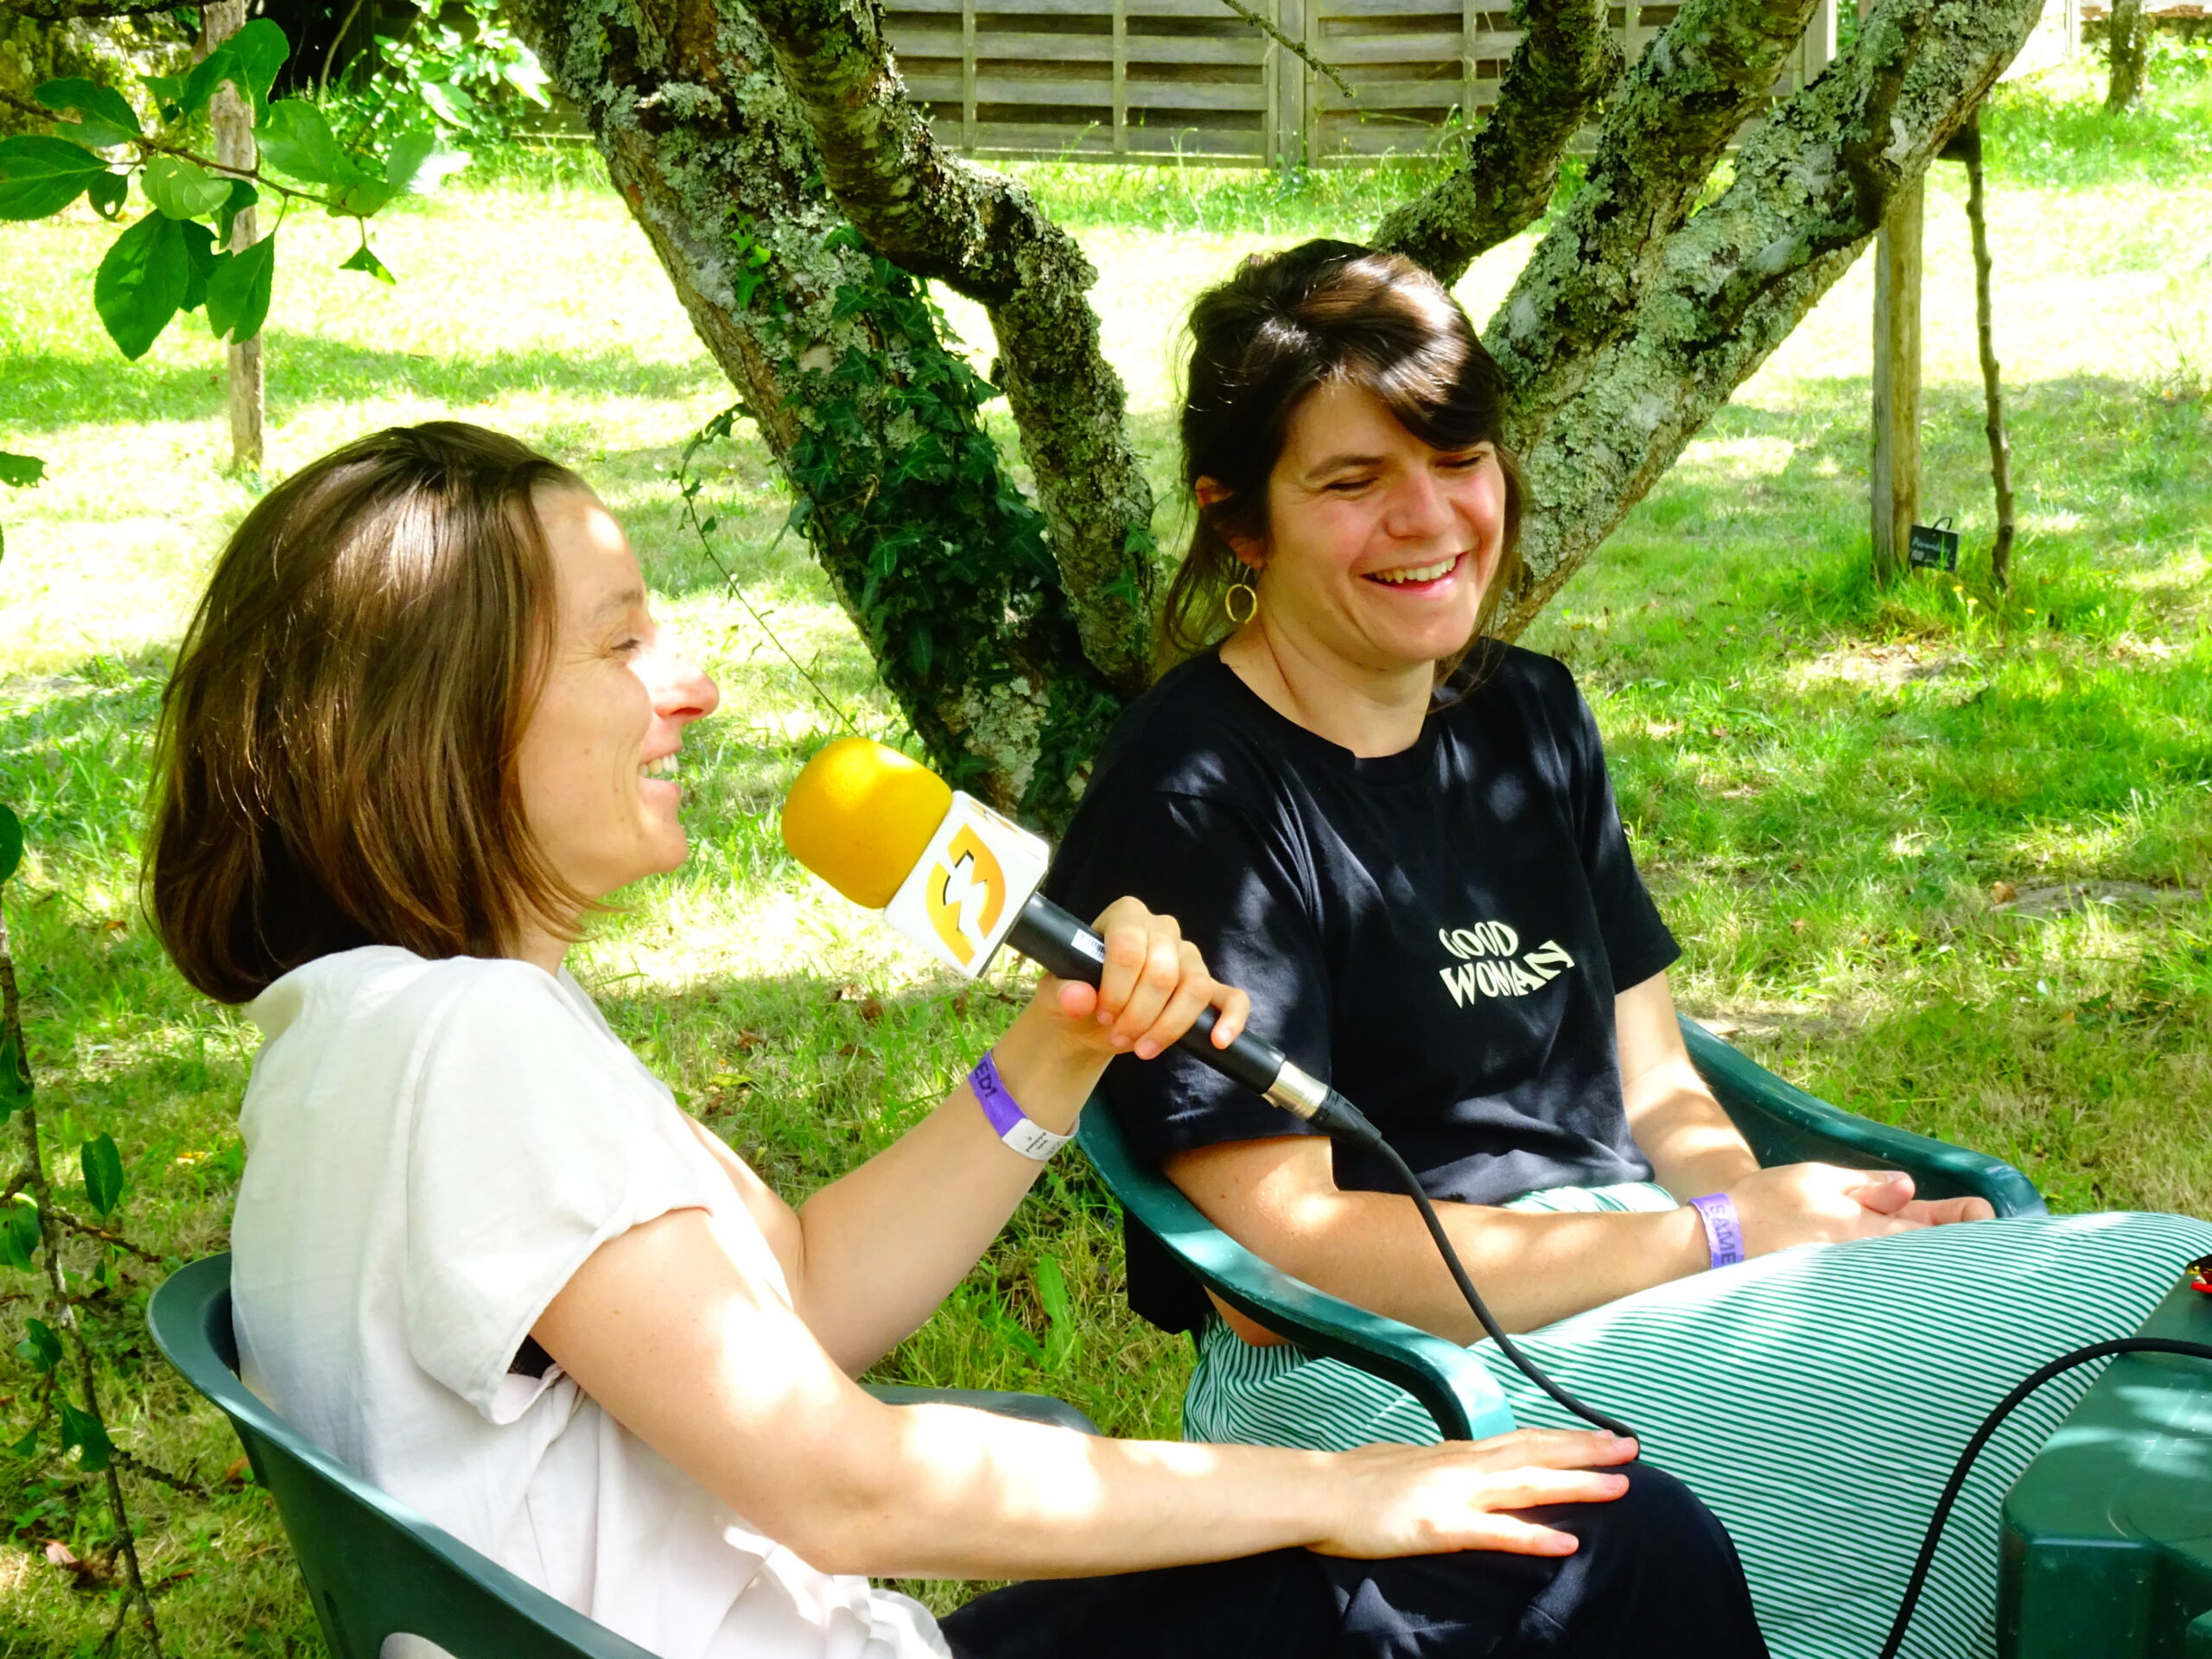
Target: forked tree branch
983	235
1706	73
1811	185
1567	60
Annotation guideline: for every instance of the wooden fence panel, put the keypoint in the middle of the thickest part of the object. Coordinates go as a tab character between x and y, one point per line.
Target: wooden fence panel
1152	79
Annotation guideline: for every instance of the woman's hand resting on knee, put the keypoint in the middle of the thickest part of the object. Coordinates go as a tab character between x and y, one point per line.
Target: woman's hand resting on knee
1821	1204
1418	1500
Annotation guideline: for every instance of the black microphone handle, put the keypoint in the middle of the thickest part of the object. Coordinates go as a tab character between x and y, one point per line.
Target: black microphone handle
1060	942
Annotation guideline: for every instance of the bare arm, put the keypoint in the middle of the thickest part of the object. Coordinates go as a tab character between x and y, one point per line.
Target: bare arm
663	1330
1280	1200
870	1257
1692	1147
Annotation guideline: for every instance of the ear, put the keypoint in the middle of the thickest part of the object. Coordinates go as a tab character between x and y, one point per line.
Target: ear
1211	494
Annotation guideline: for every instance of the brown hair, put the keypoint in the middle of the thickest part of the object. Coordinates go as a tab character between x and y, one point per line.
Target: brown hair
1284	324
336	759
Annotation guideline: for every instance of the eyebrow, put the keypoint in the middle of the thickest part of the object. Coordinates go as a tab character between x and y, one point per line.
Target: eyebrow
614	602
1339	463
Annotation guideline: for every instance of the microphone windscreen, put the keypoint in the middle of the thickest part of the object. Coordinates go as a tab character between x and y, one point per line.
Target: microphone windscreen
860	817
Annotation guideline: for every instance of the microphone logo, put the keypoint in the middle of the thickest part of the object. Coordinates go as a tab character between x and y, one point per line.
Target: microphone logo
970	883
966	899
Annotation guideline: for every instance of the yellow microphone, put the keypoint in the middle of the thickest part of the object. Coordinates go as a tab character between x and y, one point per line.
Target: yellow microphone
959	880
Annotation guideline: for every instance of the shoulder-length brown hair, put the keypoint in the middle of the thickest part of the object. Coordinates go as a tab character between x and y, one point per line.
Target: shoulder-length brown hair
1282	326
336	759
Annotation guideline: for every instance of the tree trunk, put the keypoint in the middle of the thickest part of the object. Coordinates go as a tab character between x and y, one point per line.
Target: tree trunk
234	147
941	564
2126	54
1008	640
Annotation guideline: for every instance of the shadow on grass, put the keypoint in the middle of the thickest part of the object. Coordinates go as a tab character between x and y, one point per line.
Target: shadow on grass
47	391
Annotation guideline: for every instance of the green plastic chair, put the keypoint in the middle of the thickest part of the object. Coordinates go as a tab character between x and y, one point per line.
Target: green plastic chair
1782	1123
374	1568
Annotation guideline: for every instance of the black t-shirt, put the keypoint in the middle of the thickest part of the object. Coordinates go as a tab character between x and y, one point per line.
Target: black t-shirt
1438	933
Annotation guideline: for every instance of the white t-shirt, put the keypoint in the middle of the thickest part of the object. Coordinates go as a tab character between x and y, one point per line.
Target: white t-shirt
432	1148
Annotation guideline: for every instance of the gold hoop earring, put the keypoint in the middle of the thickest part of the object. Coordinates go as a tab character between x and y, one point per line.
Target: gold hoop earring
1229	602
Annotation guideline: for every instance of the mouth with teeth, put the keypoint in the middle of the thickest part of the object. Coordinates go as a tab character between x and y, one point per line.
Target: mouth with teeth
664	767
1417	576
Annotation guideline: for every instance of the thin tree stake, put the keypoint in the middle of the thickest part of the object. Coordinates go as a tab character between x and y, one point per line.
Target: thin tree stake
1992	388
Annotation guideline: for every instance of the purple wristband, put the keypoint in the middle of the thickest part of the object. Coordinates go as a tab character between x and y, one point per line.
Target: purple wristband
1011	1124
1724	1233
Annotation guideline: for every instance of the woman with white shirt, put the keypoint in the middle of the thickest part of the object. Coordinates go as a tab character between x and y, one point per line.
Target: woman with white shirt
423	725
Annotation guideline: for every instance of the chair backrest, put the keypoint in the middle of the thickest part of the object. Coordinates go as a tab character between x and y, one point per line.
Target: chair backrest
374	1566
1465	1403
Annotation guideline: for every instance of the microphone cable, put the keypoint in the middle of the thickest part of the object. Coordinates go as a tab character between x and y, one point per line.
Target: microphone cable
1342	1121
1981	1439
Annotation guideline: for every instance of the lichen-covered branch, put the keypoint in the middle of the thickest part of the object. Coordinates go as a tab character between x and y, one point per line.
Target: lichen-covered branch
941	563
981	233
1694	86
1567	60
1811	185
63	11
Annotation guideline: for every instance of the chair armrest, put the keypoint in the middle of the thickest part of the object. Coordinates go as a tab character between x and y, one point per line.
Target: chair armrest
1452	1385
1785	1125
1028	1408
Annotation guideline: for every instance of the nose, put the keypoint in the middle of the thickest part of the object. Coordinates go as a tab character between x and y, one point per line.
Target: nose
1419	511
683	691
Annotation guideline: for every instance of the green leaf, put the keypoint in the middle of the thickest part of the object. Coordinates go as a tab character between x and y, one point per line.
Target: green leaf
26	1446
141	282
365	198
243	196
363	260
21	471
41	1349
208	73
419	164
237	293
103	1167
183	189
168	92
19	1235
295	139
86	1433
102	117
201	257
107	192
41	175
260	49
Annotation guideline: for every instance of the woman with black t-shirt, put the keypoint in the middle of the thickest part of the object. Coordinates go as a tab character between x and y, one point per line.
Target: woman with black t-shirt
1408	852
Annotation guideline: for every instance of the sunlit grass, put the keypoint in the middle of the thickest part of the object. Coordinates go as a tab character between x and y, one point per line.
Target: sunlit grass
1830	787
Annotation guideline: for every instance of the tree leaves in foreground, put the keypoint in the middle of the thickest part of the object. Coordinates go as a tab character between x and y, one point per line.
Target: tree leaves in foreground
175	257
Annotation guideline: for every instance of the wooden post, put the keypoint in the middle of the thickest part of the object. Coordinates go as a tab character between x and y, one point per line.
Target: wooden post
1121	77
968	78
1897	382
235	148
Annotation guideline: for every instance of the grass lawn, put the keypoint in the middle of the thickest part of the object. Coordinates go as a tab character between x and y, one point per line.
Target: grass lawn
1830	789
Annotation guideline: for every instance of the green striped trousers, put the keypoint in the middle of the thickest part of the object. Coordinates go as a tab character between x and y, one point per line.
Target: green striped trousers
1815	1399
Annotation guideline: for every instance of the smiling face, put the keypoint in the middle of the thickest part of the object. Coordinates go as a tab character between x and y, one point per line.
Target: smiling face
1378	548
597	758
